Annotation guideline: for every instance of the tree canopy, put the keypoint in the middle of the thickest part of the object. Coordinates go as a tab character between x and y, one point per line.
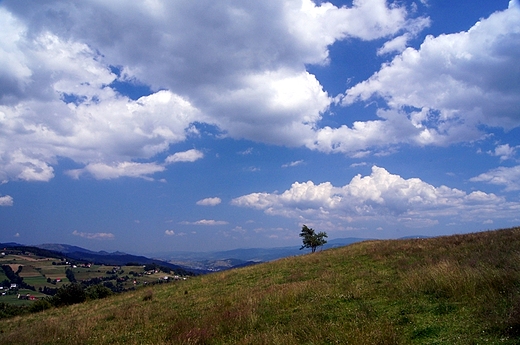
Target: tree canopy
311	239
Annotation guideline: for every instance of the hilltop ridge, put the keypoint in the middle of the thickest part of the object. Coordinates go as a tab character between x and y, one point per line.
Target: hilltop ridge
196	262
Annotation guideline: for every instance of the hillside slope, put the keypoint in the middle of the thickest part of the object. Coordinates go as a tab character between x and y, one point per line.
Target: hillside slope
462	289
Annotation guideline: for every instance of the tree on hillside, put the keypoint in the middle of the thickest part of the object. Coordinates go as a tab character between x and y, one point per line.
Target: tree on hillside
98	291
311	239
70	275
69	294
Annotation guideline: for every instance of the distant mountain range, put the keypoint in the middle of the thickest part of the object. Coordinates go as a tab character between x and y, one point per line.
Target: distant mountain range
195	262
219	260
66	249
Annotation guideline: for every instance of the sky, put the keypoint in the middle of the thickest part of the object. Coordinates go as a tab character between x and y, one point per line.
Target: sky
162	126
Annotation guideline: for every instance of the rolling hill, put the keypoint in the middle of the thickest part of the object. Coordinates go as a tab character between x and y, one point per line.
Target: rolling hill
461	289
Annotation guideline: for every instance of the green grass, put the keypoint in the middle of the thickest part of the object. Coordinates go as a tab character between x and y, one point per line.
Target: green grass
36	281
462	289
12	297
13	300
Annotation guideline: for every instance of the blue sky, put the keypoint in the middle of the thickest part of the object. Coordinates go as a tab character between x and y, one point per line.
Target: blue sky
163	126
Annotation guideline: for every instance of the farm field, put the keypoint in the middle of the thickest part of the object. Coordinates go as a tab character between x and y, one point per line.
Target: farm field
48	274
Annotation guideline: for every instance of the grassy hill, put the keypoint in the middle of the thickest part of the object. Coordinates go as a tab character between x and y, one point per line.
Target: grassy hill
462	289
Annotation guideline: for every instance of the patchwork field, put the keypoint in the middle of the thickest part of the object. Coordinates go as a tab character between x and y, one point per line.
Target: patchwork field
41	272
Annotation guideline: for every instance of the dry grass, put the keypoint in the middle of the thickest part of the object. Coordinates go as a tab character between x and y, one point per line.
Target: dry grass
462	289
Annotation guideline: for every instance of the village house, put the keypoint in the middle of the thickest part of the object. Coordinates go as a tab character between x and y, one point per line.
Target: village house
27	297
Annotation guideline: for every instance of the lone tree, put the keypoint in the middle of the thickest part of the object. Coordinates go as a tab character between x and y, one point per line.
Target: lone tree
311	239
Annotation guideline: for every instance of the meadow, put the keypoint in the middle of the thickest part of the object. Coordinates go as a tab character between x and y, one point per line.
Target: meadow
460	289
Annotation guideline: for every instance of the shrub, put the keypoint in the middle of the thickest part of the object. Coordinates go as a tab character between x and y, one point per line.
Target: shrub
148	296
9	310
69	294
40	305
98	291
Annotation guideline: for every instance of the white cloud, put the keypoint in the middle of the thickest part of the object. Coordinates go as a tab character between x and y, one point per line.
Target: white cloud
502	176
94	235
380	196
239	229
14	72
169	232
505	152
209	202
397	44
293	164
102	171
453	84
6	200
99	127
247	151
97	133
186	156
18	165
209	222
244	71
393	128
277	107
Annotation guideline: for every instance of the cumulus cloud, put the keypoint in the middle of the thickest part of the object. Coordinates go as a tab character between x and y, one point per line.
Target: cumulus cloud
6	200
447	89
505	152
18	165
94	235
381	196
169	232
509	177
209	202
243	70
393	128
186	156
